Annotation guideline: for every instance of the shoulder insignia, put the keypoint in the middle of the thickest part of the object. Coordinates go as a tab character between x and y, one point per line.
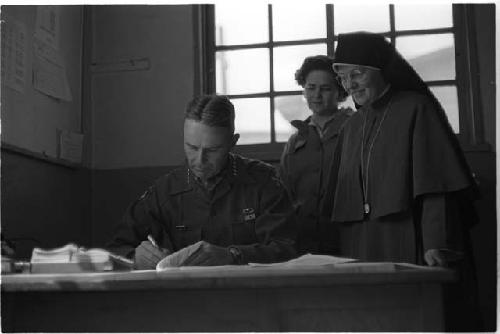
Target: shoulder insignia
276	180
146	193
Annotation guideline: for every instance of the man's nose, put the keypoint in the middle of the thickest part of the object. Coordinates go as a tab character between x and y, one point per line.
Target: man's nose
201	156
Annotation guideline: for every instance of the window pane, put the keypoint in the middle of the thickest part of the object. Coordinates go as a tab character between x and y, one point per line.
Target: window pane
241	24
447	96
308	21
432	56
287	109
252	120
242	71
349	18
409	16
287	60
348	103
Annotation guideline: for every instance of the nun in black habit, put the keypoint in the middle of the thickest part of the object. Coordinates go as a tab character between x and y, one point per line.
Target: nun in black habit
404	190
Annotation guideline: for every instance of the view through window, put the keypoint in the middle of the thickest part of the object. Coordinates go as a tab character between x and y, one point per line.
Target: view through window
258	48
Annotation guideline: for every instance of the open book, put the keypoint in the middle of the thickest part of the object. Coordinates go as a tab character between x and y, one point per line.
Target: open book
73	259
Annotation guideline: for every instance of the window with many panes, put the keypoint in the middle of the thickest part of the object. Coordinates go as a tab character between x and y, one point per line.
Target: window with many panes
253	51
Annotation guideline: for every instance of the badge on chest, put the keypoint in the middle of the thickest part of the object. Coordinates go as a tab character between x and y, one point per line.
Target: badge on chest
248	214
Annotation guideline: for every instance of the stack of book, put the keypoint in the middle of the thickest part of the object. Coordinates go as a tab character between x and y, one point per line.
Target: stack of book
73	259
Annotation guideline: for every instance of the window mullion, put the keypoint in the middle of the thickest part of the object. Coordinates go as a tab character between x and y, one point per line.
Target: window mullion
330	31
271	72
207	31
392	19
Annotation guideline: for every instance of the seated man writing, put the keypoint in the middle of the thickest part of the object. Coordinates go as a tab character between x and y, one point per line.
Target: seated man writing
236	206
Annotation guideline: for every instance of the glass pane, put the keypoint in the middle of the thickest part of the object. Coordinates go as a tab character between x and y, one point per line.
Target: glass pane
287	60
252	120
409	16
307	19
447	96
348	103
432	56
242	71
287	109
241	23
349	18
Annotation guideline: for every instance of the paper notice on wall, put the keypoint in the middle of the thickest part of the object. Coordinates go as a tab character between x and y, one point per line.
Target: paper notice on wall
70	145
47	26
13	50
49	71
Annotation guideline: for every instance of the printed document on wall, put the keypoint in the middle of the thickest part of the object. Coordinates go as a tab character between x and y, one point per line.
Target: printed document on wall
47	28
49	71
14	46
70	145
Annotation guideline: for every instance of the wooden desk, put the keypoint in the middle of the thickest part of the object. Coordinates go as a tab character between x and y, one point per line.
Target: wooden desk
348	297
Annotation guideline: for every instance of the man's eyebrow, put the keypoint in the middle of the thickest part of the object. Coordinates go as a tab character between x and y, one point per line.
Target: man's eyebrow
214	147
207	148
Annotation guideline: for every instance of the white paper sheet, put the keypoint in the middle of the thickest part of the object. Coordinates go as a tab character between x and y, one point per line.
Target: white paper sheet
175	259
14	46
70	146
49	72
307	260
47	26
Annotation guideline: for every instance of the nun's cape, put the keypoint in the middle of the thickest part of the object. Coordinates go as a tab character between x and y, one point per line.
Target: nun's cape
416	151
414	154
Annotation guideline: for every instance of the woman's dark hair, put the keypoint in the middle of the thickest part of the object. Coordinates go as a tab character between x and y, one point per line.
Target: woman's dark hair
321	63
211	110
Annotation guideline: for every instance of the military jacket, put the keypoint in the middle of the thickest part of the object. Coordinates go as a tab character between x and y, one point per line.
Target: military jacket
249	209
305	168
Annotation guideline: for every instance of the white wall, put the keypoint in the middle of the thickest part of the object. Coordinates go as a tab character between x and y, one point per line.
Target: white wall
137	116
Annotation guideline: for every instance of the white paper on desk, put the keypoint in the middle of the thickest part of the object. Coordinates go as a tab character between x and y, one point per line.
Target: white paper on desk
70	145
49	72
14	46
307	260
175	259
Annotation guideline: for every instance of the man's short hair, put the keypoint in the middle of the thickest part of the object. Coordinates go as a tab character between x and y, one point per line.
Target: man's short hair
211	110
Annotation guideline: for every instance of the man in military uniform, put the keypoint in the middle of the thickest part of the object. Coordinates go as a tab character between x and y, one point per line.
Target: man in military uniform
236	206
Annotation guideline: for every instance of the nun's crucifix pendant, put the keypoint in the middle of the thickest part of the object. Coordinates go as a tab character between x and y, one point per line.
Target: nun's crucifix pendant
364	173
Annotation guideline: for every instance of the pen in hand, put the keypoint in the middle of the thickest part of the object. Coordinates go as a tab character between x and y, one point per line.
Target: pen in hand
152	241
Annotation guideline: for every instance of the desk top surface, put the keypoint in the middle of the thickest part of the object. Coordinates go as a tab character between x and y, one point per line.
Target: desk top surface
229	277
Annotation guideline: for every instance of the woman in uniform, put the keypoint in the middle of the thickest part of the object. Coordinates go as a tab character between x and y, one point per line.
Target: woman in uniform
306	159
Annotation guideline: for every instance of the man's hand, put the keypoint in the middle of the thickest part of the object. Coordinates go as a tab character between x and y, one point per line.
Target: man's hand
441	257
147	256
208	255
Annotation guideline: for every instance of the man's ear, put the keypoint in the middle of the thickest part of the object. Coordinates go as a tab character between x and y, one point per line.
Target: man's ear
234	140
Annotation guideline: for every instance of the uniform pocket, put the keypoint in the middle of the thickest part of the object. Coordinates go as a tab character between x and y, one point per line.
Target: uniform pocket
184	236
244	231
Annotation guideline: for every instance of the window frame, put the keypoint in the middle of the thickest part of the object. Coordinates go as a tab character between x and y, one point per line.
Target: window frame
471	135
